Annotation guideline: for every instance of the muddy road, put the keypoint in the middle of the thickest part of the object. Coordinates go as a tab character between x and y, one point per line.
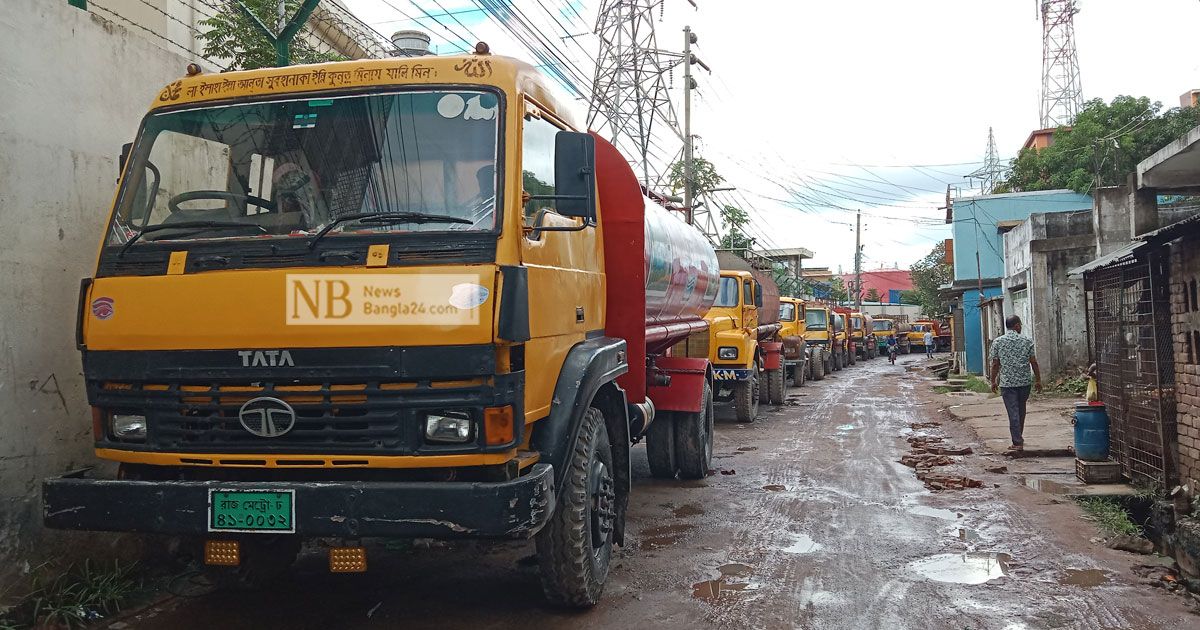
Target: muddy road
809	522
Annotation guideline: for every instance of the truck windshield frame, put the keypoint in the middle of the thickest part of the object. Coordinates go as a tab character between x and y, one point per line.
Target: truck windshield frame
727	292
787	312
816	318
289	165
882	325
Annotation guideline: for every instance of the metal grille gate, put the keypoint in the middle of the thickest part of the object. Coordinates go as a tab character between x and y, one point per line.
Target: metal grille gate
1131	336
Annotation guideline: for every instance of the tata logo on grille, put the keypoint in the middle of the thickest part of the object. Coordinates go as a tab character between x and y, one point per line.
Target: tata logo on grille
266	358
267	417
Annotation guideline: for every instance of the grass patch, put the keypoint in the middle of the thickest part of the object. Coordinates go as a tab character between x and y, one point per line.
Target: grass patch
74	598
942	390
977	385
1110	516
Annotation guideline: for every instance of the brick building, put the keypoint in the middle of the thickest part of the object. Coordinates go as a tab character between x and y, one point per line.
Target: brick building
1185	329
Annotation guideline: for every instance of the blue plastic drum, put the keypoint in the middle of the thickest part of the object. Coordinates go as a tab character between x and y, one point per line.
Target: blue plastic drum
1091	433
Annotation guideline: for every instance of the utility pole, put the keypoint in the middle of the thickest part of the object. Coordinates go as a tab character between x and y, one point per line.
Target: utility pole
689	173
858	261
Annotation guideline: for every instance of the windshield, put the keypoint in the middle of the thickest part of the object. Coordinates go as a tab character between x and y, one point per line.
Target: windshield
839	322
816	319
787	312
920	327
727	294
882	325
287	168
856	322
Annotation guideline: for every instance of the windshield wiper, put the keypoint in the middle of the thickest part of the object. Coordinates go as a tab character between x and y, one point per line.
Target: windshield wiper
187	225
387	217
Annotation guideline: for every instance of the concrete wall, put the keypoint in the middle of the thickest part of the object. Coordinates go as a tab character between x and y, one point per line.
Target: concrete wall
973	341
72	90
976	219
1110	219
1038	255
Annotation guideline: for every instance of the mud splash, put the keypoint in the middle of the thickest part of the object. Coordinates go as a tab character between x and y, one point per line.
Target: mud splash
1083	578
734	581
963	568
664	535
684	511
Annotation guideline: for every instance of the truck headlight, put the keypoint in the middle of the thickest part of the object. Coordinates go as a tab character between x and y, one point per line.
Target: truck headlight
448	426
128	427
727	353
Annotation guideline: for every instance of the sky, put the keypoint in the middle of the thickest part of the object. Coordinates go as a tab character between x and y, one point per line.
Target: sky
816	110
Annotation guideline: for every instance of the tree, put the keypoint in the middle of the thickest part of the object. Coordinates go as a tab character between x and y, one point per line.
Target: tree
231	34
872	295
910	297
927	275
735	220
704	176
837	290
1108	139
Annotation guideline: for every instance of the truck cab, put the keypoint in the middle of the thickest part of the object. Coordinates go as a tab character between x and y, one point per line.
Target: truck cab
731	343
916	336
386	298
820	331
791	334
862	334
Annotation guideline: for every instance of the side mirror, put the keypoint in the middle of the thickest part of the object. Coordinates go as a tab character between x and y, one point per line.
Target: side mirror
575	175
758	295
125	150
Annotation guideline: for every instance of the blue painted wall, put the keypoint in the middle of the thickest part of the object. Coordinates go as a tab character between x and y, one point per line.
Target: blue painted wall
894	296
973	327
976	218
975	230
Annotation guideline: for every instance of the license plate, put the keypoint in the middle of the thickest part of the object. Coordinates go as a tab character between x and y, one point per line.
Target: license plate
266	511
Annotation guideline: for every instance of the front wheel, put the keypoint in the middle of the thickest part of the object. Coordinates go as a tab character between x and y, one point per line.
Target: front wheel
694	438
745	395
574	549
660	446
776	386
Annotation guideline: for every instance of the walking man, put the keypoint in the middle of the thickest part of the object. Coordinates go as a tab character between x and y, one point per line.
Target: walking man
1012	357
928	339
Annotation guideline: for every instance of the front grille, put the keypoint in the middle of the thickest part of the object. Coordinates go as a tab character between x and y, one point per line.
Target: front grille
365	418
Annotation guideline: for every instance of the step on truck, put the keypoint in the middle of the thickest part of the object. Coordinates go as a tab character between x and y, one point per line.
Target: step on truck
384	299
739	341
797	357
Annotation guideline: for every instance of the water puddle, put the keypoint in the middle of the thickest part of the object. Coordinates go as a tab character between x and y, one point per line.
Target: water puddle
664	535
932	512
747	449
733	581
802	543
846	427
774	487
1083	578
1048	486
963	568
684	511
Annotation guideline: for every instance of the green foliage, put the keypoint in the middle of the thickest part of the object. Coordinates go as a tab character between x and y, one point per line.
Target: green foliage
1109	138
977	385
231	34
1110	516
837	290
74	598
927	275
735	221
704	176
872	295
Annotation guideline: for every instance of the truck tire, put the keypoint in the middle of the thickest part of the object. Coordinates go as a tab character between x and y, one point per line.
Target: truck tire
800	376
575	548
836	361
694	438
764	389
818	366
745	398
852	357
660	446
776	386
827	357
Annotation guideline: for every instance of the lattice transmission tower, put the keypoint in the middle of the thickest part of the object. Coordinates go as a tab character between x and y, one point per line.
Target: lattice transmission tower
1062	97
630	97
992	171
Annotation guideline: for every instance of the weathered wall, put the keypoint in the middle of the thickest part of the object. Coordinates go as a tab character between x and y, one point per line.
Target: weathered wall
1185	325
72	88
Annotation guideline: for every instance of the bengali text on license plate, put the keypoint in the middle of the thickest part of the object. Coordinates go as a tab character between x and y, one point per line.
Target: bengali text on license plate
251	511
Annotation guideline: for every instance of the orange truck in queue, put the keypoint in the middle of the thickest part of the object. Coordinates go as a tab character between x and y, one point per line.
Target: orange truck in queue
384	299
862	334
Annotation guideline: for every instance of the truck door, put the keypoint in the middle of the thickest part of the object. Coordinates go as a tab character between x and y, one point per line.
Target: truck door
749	305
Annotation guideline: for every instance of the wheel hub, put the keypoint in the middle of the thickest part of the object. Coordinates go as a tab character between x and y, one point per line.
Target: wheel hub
603	503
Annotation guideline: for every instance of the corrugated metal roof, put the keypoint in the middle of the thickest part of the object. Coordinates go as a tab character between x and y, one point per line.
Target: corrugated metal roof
1121	255
1173	231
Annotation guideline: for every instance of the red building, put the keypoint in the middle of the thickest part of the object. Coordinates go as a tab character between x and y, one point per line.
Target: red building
888	282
